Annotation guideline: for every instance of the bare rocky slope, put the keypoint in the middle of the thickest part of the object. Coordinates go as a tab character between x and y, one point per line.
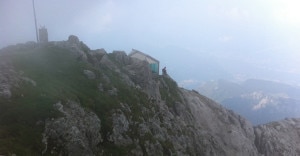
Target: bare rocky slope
61	98
279	138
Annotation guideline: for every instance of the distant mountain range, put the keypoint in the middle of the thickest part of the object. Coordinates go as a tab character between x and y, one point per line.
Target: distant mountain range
260	101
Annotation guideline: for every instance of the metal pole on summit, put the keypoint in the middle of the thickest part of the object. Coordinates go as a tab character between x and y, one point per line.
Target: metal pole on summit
35	23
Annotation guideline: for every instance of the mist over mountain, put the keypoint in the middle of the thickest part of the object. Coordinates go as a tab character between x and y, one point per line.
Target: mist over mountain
198	67
62	98
197	41
260	101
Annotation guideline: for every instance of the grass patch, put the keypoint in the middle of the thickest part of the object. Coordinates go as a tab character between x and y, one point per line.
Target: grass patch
58	76
169	91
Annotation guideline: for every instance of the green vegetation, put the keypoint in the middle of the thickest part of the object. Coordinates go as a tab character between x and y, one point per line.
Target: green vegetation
57	75
169	91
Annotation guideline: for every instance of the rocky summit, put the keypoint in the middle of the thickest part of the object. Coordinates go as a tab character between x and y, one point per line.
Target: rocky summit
62	98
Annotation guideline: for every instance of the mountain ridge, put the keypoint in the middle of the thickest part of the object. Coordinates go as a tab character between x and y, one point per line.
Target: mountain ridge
65	99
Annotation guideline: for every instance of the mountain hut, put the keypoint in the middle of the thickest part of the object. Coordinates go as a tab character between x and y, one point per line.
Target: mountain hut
153	63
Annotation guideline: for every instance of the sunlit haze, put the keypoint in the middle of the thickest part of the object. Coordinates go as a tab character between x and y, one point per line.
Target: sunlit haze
196	40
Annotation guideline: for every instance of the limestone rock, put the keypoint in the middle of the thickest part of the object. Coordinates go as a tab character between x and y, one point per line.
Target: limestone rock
76	133
73	40
105	61
96	56
222	132
89	74
281	138
26	79
120	127
8	78
192	125
113	92
121	57
81	55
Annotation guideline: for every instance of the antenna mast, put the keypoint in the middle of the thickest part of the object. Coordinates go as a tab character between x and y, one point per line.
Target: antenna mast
36	30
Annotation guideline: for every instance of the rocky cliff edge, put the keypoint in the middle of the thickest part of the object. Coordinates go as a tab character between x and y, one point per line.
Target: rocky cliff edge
111	104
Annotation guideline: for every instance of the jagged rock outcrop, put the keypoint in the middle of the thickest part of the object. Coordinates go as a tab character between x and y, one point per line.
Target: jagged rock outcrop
201	127
89	74
73	40
77	132
229	133
280	138
8	78
190	124
137	73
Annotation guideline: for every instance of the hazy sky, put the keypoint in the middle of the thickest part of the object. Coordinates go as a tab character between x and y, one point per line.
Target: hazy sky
264	31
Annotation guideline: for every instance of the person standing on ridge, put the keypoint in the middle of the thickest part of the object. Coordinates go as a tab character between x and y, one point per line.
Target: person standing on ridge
164	71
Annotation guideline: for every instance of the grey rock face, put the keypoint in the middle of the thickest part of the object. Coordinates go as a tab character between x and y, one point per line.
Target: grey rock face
89	74
8	78
140	74
226	133
80	54
78	48
105	61
121	57
280	138
76	133
201	127
121	125
96	56
26	79
194	125
73	39
113	92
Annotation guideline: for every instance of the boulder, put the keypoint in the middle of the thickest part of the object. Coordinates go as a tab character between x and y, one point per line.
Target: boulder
89	74
280	138
73	40
77	132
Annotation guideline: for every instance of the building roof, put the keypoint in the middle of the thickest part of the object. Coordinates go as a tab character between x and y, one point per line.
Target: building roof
134	51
